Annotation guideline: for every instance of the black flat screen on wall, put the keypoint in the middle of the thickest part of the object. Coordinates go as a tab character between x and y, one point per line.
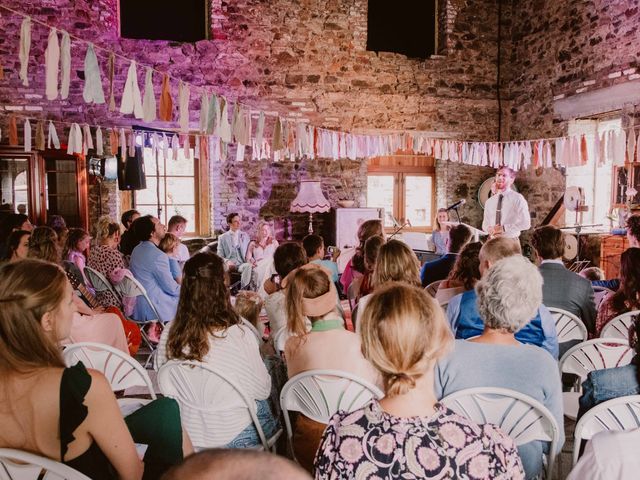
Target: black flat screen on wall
179	20
402	26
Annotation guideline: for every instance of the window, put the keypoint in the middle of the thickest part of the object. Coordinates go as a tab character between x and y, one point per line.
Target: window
172	188
184	21
595	181
404	187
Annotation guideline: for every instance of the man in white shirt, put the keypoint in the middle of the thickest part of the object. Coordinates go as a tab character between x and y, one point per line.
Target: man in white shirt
232	247
177	226
506	213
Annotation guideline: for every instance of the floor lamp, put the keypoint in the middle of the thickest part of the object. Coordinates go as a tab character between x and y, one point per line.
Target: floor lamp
310	200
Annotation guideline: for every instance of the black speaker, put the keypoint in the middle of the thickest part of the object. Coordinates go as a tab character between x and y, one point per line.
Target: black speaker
131	174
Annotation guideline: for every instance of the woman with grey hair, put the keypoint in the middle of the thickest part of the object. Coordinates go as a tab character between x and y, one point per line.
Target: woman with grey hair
509	295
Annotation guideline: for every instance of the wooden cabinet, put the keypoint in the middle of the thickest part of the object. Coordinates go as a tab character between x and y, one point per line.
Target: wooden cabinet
611	248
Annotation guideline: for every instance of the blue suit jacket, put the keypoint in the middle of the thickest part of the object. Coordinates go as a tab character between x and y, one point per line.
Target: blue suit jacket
150	266
225	245
437	269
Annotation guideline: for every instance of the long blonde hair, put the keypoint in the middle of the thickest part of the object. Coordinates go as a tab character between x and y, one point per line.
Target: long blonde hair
29	289
259	238
404	332
396	262
304	283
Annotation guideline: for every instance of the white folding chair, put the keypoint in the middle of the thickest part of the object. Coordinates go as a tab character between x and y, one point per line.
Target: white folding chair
19	465
588	356
521	417
568	325
318	394
619	326
622	413
99	282
432	288
599	293
205	395
121	370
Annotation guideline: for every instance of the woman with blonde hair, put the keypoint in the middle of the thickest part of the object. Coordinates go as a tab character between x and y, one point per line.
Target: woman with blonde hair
106	259
312	295
264	245
440	233
70	414
170	244
408	433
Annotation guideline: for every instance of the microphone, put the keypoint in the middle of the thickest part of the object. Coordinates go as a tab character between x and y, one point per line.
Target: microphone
457	204
408	222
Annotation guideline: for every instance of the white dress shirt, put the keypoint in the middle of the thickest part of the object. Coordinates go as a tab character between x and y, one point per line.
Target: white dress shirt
514	214
609	455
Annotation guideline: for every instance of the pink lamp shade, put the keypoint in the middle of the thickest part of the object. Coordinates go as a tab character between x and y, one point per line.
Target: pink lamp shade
310	199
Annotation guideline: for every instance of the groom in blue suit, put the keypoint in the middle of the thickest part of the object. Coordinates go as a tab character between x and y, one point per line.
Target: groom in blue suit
233	246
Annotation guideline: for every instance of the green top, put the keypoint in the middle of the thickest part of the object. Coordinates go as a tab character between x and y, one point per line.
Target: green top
325	325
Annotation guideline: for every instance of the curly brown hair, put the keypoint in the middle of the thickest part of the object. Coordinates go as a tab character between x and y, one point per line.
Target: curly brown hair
368	229
467	266
627	295
43	245
204	308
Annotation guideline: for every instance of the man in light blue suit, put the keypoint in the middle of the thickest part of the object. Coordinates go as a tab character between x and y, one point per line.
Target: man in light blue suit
150	266
232	247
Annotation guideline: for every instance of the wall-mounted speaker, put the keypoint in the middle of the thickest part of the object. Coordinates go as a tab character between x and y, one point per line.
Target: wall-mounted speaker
131	174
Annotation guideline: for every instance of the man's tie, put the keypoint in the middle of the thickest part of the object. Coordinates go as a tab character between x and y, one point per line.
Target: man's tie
499	210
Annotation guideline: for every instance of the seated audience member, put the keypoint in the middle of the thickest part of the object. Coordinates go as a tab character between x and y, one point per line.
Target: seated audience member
207	329
371	249
408	434
609	455
105	258
314	248
12	223
593	274
170	244
233	246
236	464
627	297
440	235
508	296
396	262
465	320
78	241
608	383
439	269
17	245
562	288
177	226
88	324
264	245
128	240
328	346
150	266
463	276
70	414
59	225
248	306
286	258
355	267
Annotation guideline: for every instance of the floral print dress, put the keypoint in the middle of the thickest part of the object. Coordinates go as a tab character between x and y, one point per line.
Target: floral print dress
372	444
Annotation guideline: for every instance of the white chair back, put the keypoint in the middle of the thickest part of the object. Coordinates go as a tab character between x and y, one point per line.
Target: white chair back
318	394
521	417
99	282
253	329
619	326
568	325
205	396
432	288
19	465
130	286
621	413
119	368
596	354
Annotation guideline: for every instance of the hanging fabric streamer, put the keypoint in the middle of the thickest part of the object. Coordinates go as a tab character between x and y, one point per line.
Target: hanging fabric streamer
112	73
99	142
175	145
149	100
123	143
184	93
213	119
131	99
260	130
93	91
276	143
196	149
631	146
52	65
65	65
186	147
204	111
235	123
27	135
74	143
225	127
87	139
25	47
13	131
132	143
40	140
52	137
165	147
166	104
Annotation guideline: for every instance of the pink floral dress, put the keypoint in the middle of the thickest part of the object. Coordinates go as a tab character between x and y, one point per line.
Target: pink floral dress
370	443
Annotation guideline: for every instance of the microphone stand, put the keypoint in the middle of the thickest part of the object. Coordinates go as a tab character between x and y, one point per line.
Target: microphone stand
398	230
455	209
